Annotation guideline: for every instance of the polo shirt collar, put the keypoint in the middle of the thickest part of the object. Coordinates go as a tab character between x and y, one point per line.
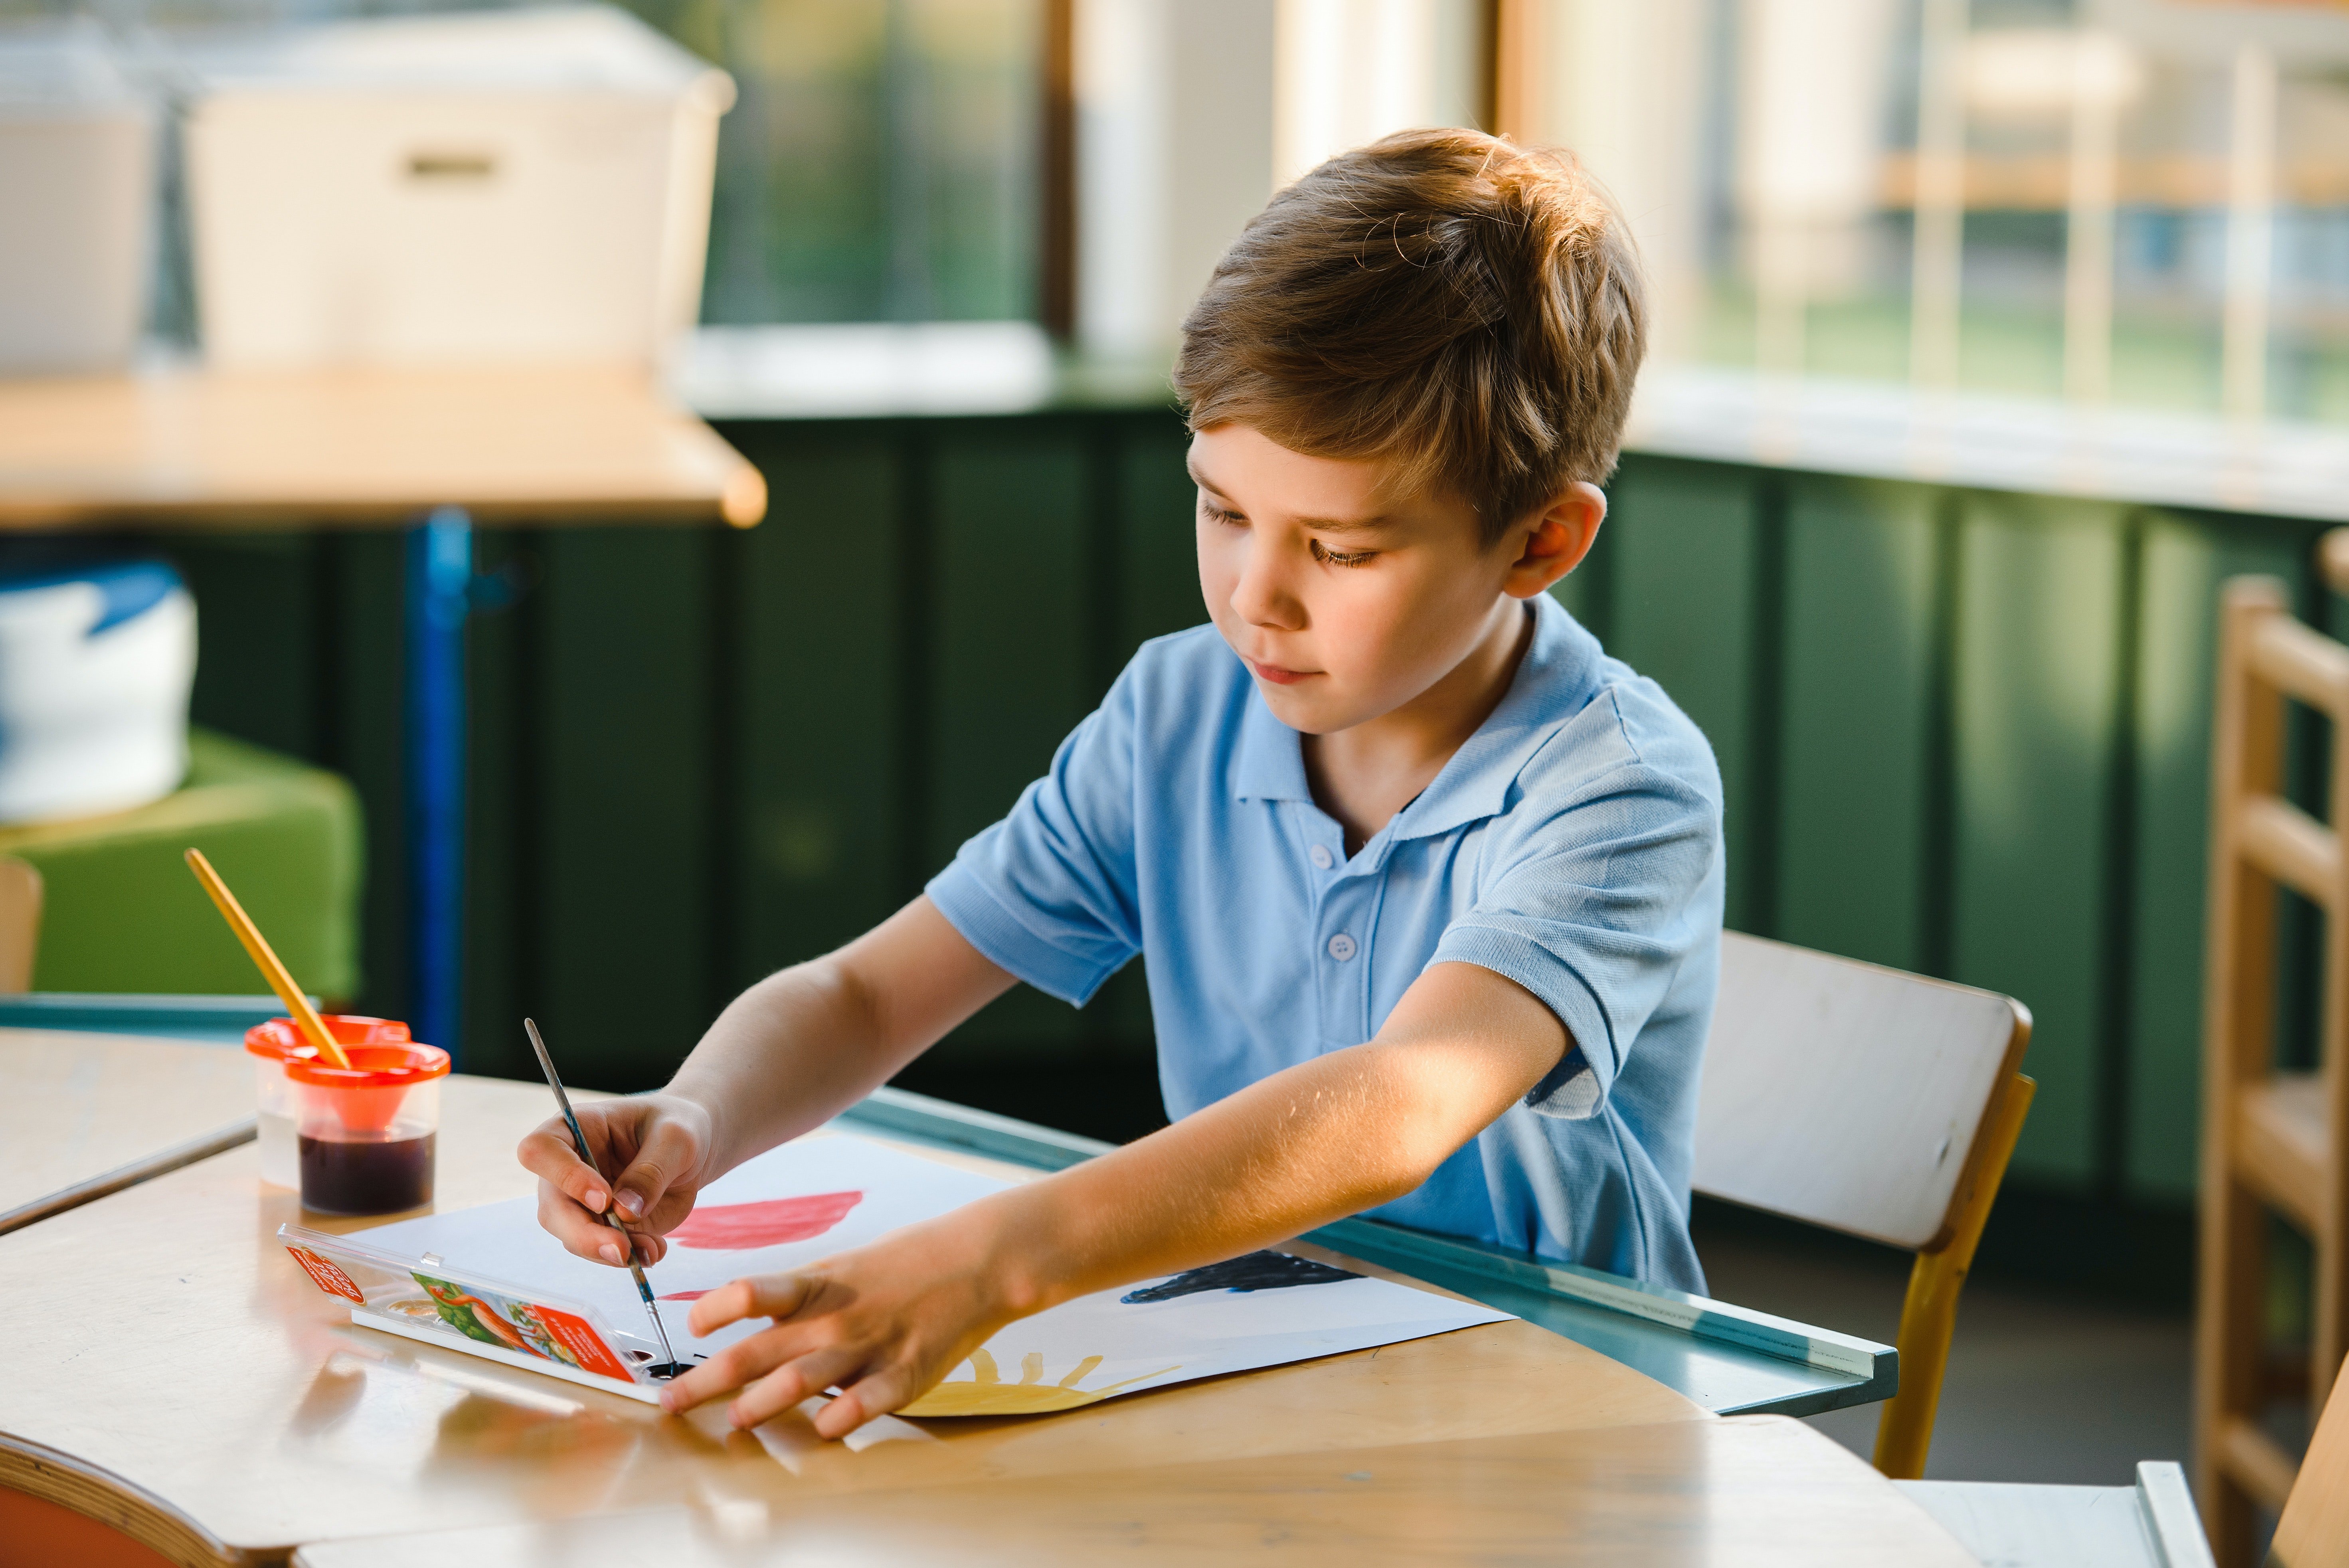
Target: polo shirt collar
1554	681
1271	763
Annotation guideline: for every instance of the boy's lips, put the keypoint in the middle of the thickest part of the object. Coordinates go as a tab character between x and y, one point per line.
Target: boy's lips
1277	676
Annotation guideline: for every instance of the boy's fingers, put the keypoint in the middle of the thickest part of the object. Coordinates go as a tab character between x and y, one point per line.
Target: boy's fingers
668	1153
719	1307
733	1366
862	1401
788	1384
721	1374
581	1233
762	1295
547	1154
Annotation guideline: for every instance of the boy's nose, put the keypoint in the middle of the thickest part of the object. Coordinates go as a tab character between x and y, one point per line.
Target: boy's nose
1262	598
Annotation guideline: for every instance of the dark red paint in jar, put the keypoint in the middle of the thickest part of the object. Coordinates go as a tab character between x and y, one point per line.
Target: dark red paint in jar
367	1132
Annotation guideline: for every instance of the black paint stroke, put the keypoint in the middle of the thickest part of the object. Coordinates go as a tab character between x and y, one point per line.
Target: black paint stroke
1256	1270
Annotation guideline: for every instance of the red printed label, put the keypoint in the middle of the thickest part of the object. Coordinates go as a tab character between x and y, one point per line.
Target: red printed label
586	1347
331	1280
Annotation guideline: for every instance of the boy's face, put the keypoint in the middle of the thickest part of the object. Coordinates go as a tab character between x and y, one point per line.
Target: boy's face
1348	603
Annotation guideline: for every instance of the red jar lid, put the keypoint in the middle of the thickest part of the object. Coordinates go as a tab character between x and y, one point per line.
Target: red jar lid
281	1038
385	1066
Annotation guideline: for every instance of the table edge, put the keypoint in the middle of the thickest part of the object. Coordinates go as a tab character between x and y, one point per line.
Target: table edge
298	514
203	1146
97	1493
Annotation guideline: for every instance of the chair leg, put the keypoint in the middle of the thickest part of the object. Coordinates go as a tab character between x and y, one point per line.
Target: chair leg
2229	1321
1904	1433
2329	1338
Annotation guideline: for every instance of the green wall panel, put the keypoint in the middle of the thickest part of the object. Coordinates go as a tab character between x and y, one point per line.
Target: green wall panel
502	856
2037	682
623	846
818	856
1856	702
1158	551
1012	672
258	619
2185	560
359	736
1682	611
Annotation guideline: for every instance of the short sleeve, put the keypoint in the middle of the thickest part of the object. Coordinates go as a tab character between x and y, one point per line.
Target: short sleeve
1591	896
1049	893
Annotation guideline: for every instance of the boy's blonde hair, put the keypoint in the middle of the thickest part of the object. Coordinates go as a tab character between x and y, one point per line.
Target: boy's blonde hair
1466	308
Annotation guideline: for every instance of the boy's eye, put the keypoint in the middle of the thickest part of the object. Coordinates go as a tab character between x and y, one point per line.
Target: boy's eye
1341	557
1217	514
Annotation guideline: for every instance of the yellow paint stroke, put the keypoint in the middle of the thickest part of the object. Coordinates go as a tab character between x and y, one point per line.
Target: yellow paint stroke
987	1394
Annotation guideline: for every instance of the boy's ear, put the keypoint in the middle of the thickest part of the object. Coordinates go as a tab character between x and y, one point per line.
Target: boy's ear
1561	534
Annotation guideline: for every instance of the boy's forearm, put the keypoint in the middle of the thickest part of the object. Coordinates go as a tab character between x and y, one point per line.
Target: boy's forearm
785	1056
1329	1137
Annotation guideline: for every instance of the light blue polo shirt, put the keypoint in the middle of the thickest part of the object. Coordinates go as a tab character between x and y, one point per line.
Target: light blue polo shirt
1572	844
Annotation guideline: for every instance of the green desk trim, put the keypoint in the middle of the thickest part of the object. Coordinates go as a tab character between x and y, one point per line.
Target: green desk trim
198	1020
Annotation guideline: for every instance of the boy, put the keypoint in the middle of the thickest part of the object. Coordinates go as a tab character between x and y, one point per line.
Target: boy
1430	888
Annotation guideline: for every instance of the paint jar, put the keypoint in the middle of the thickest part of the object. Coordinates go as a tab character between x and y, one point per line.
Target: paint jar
364	1134
273	1044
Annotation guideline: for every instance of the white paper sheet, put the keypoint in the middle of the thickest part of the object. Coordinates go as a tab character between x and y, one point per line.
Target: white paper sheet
818	1196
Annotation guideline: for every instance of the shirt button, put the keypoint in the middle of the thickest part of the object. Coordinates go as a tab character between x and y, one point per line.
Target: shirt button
1320	856
1341	947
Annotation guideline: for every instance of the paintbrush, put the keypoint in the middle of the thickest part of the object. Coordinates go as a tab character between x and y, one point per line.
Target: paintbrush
256	947
610	1207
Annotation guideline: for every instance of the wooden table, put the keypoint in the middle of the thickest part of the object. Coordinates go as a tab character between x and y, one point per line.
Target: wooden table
361	448
92	1114
1751	1490
192	1386
428	451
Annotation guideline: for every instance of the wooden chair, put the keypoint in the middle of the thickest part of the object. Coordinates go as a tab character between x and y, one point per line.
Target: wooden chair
1876	1103
2032	1524
2151	1525
2314	1530
20	925
2272	1142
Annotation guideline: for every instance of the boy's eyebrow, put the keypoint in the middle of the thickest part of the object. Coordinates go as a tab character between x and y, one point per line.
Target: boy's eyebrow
1191	467
1318	524
1345	524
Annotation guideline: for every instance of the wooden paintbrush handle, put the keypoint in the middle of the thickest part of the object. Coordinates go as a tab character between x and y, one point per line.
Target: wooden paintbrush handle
305	1017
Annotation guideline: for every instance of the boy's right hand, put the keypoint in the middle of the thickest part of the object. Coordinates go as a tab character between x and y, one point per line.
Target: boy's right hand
661	1144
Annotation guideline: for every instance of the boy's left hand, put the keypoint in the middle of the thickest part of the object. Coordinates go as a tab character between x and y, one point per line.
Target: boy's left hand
882	1323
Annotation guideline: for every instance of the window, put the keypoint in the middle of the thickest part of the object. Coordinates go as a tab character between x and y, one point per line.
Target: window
881	163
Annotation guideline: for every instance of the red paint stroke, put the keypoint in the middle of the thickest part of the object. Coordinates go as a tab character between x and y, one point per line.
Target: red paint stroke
739	1227
685	1296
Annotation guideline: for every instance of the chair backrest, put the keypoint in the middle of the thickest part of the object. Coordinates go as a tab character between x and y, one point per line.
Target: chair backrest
2314	1530
20	925
1847	1095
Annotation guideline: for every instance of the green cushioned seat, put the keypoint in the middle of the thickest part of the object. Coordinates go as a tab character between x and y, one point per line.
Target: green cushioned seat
122	913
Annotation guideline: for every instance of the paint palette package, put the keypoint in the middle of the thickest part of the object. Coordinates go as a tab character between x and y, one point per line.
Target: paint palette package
832	1190
424	1298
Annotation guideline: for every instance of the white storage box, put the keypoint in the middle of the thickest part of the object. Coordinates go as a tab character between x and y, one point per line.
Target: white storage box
76	202
96	665
507	186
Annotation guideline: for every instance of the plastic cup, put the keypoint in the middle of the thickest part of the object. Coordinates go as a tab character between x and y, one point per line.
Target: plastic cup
274	1044
364	1134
